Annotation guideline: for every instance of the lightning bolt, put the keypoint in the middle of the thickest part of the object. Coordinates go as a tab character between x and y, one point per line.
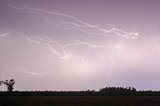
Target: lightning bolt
79	23
5	34
70	23
26	71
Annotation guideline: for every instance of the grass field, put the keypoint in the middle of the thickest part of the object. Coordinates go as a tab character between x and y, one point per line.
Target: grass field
83	100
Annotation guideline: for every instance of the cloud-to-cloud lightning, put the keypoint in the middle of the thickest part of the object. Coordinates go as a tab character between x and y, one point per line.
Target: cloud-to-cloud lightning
4	34
27	72
67	22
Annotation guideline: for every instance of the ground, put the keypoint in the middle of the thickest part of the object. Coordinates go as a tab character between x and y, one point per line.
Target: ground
33	99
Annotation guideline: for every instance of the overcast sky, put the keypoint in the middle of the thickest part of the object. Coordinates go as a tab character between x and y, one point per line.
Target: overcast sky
80	44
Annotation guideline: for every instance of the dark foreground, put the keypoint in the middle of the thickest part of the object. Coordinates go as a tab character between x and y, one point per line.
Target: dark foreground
77	99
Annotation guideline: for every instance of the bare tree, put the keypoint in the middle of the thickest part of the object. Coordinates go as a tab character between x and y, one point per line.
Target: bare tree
9	84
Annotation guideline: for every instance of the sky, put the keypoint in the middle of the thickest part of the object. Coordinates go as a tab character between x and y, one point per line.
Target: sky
80	44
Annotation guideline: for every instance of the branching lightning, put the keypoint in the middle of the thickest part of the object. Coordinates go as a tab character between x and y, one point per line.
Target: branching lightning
71	23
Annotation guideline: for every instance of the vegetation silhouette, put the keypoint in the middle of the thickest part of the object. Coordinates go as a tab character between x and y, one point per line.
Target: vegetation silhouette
118	90
9	84
108	96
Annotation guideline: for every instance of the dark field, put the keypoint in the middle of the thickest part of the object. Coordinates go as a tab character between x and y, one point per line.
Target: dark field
76	99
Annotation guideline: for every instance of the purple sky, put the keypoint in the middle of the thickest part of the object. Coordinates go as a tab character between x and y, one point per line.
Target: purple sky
80	44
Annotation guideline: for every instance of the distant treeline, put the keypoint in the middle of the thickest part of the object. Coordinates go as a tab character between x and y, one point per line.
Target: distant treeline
108	91
126	91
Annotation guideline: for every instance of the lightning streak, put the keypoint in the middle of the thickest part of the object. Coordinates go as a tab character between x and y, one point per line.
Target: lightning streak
27	72
74	23
79	24
5	34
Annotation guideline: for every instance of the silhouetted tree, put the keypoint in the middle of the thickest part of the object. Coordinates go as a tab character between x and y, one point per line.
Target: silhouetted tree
9	84
118	90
